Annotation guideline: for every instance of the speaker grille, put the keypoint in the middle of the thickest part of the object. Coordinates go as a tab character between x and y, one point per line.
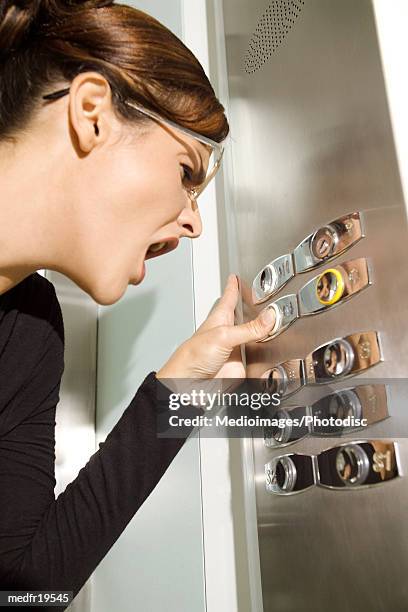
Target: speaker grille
273	26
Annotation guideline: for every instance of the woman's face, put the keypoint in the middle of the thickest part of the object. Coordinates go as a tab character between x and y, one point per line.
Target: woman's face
129	194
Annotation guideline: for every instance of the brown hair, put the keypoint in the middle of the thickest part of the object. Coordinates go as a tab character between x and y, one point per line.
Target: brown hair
45	41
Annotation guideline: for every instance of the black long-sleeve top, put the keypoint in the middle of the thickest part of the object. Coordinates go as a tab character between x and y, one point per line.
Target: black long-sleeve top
48	543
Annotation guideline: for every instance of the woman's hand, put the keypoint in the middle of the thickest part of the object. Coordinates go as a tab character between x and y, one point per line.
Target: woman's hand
214	350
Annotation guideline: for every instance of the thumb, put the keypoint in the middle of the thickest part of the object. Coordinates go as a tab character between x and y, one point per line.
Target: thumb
256	329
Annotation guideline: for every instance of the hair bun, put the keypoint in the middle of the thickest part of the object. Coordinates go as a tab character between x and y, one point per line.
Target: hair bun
19	17
16	18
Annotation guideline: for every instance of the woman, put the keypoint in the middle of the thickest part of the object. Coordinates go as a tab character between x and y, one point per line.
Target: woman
107	125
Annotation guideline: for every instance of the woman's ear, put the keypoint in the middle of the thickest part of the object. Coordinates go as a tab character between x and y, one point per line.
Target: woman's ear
91	112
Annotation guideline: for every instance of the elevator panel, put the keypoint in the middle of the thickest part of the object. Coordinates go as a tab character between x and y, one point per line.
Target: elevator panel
312	152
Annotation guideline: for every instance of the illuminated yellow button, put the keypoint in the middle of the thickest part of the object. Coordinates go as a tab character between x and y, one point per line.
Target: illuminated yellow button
329	287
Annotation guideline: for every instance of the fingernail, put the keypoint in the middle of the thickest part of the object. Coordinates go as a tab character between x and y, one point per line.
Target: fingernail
268	317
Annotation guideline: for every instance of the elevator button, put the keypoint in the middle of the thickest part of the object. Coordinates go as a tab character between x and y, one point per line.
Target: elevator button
289	474
285	378
333	286
291	426
283	475
343	357
330	287
352	464
267	280
358	464
277	381
286	312
343	404
338	358
285	472
324	242
322	292
336	414
328	242
272	278
330	413
279	436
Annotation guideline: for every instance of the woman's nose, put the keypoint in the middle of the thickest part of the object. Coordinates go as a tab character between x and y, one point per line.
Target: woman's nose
190	221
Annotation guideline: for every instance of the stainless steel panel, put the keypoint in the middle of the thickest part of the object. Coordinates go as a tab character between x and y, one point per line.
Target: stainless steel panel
311	142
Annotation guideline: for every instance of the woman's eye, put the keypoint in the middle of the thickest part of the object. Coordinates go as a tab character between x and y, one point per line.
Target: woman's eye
187	173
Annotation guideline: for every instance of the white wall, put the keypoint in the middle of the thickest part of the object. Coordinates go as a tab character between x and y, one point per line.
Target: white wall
157	563
392	24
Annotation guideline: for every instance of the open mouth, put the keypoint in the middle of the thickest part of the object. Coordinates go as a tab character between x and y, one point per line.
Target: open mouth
160	248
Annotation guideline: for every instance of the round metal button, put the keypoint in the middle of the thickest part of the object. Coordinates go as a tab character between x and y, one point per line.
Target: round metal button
352	465
267	280
338	358
330	287
343	404
323	242
274	436
281	475
277	381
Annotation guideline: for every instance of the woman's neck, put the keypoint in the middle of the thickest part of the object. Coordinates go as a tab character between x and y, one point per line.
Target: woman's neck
27	230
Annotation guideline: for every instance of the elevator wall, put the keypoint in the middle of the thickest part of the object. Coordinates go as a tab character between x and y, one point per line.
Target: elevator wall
312	141
157	563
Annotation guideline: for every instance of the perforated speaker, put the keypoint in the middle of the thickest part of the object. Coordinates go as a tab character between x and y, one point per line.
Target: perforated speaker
271	30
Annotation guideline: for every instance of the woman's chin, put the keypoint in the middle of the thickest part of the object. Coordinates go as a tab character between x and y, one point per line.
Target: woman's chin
109	288
140	277
106	293
106	298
